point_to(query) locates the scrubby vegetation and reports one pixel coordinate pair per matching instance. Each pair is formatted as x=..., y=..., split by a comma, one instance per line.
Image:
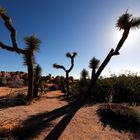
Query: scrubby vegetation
x=13, y=79
x=118, y=89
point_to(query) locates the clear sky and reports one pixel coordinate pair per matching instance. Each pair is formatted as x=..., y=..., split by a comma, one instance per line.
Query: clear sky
x=84, y=26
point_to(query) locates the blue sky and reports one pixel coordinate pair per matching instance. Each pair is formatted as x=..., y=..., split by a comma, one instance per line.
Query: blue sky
x=84, y=26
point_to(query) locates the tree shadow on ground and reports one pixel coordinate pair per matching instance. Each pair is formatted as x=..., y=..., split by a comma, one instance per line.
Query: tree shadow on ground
x=35, y=124
x=60, y=127
x=62, y=98
x=118, y=123
x=56, y=97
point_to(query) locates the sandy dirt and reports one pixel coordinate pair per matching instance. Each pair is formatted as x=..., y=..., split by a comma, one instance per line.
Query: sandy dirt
x=51, y=117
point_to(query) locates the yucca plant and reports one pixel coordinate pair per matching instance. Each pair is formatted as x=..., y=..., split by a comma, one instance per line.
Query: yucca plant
x=32, y=45
x=57, y=66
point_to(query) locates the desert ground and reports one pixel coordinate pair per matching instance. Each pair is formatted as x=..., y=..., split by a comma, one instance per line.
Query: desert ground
x=52, y=117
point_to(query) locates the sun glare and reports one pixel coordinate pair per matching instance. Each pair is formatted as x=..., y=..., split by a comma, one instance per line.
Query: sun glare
x=132, y=39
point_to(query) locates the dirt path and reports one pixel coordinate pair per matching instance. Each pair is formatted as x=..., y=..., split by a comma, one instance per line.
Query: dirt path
x=52, y=118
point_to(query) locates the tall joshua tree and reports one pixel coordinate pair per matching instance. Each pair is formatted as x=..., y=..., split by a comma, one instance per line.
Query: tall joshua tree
x=71, y=56
x=37, y=80
x=125, y=23
x=93, y=64
x=32, y=45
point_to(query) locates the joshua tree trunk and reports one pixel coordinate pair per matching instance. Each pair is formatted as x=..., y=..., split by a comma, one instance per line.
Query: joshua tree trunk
x=36, y=86
x=30, y=81
x=37, y=80
x=67, y=84
x=93, y=73
x=35, y=92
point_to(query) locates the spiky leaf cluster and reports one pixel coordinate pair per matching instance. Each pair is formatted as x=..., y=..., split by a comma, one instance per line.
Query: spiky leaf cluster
x=126, y=21
x=74, y=54
x=135, y=23
x=94, y=63
x=69, y=55
x=32, y=43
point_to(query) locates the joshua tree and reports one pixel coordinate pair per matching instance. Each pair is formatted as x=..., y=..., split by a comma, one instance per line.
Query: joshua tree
x=32, y=45
x=29, y=59
x=125, y=22
x=71, y=56
x=93, y=64
x=37, y=80
x=83, y=77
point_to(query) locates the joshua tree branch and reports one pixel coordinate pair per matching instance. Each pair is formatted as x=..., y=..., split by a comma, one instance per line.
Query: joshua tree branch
x=12, y=49
x=9, y=26
x=105, y=62
x=62, y=67
x=72, y=61
x=59, y=67
x=72, y=64
x=122, y=40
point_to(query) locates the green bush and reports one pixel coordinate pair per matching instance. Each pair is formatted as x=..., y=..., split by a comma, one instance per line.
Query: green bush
x=122, y=88
x=118, y=89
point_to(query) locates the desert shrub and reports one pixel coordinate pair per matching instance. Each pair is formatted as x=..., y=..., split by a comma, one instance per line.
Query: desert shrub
x=103, y=90
x=15, y=84
x=13, y=99
x=79, y=89
x=12, y=83
x=21, y=96
x=126, y=88
x=119, y=113
x=53, y=87
x=16, y=99
x=122, y=88
x=3, y=81
x=60, y=82
x=118, y=89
